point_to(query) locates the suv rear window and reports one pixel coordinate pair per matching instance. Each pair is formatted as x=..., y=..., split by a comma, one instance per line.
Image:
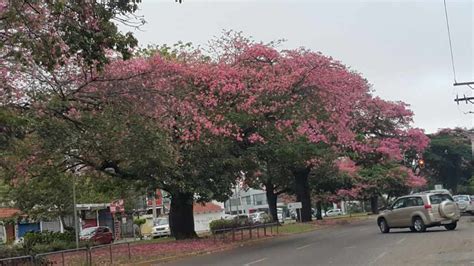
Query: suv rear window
x=438, y=198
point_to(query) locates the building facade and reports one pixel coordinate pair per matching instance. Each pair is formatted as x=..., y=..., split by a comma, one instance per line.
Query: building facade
x=248, y=201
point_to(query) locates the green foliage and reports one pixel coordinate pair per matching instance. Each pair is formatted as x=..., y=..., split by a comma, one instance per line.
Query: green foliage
x=267, y=218
x=12, y=126
x=449, y=160
x=60, y=30
x=222, y=224
x=168, y=52
x=56, y=245
x=11, y=251
x=468, y=188
x=46, y=237
x=139, y=222
x=384, y=179
x=38, y=242
x=325, y=177
x=4, y=193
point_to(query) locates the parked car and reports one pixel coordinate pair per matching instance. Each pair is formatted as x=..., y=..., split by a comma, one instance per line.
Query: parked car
x=314, y=213
x=99, y=235
x=260, y=217
x=161, y=227
x=465, y=203
x=333, y=212
x=420, y=211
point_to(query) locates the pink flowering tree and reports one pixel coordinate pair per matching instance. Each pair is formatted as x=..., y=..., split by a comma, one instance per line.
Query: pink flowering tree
x=287, y=107
x=48, y=50
x=298, y=100
x=385, y=142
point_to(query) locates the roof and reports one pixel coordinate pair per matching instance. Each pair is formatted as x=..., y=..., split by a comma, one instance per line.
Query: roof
x=440, y=191
x=208, y=207
x=8, y=212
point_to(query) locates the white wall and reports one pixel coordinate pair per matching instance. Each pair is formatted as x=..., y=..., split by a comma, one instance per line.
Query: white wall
x=3, y=234
x=52, y=226
x=201, y=221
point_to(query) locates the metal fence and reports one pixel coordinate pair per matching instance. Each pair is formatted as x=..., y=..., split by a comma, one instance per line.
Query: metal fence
x=95, y=255
x=124, y=252
x=18, y=261
x=246, y=232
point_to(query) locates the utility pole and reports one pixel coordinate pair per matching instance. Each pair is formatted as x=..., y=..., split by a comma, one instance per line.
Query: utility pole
x=238, y=197
x=465, y=99
x=76, y=227
x=153, y=204
x=463, y=83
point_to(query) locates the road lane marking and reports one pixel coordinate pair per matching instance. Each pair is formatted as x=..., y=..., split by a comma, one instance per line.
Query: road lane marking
x=363, y=229
x=255, y=261
x=351, y=247
x=378, y=257
x=400, y=241
x=305, y=246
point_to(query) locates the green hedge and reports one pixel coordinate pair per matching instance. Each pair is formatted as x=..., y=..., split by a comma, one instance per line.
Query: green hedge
x=222, y=224
x=11, y=251
x=40, y=242
x=47, y=237
x=53, y=246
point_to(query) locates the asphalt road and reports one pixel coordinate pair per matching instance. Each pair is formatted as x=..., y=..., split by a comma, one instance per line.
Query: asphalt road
x=355, y=244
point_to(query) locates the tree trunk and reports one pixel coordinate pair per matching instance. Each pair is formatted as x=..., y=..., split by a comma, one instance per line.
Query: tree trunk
x=319, y=207
x=181, y=216
x=63, y=223
x=302, y=193
x=374, y=204
x=272, y=201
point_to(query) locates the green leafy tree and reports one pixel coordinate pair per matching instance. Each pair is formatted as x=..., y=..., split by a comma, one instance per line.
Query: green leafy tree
x=325, y=181
x=449, y=159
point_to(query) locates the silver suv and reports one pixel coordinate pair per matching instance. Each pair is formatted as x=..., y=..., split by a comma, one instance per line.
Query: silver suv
x=465, y=203
x=420, y=211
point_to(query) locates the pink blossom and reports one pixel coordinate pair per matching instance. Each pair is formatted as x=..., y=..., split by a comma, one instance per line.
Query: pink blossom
x=255, y=138
x=347, y=165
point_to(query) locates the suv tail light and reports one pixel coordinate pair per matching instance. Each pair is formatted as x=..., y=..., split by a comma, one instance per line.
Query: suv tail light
x=427, y=206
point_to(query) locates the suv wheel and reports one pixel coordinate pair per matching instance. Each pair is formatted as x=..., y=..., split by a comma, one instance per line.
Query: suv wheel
x=412, y=229
x=419, y=225
x=383, y=226
x=451, y=226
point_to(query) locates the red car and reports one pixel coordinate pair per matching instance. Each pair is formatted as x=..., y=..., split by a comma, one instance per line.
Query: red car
x=99, y=235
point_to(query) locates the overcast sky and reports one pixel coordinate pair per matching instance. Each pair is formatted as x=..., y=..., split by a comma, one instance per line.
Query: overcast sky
x=401, y=47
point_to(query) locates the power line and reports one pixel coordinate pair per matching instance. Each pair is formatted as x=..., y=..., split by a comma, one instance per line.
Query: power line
x=450, y=42
x=466, y=99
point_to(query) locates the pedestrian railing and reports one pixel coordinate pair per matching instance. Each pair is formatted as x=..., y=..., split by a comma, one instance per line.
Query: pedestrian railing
x=245, y=232
x=95, y=255
x=18, y=261
x=78, y=256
